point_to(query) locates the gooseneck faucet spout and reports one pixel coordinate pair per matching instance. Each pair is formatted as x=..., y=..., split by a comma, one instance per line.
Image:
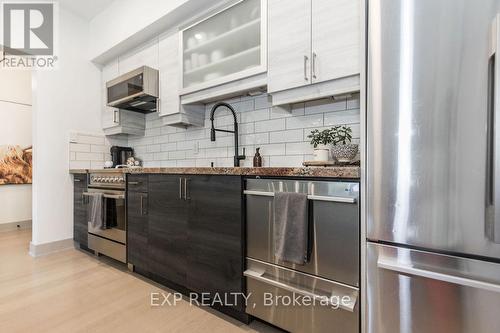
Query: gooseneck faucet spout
x=237, y=156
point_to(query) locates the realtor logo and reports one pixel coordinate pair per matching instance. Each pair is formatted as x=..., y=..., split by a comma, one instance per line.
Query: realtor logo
x=28, y=28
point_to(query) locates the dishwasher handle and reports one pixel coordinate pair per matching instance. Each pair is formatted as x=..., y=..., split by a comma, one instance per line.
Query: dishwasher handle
x=348, y=306
x=310, y=197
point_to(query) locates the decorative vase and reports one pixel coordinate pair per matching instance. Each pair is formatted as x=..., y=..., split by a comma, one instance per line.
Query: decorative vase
x=345, y=153
x=321, y=153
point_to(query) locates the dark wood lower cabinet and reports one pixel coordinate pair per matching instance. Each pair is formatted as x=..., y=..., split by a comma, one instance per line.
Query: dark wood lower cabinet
x=215, y=234
x=167, y=229
x=138, y=230
x=194, y=233
x=80, y=226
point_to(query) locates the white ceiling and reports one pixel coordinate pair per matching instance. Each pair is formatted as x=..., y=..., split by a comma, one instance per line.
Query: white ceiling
x=86, y=9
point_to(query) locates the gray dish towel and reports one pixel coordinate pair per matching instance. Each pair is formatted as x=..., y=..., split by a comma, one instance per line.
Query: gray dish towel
x=291, y=227
x=96, y=210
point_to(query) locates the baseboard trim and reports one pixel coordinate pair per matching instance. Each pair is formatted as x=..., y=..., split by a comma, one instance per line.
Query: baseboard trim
x=52, y=247
x=19, y=225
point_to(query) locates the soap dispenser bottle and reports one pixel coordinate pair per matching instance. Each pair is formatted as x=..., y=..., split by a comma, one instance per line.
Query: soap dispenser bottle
x=257, y=159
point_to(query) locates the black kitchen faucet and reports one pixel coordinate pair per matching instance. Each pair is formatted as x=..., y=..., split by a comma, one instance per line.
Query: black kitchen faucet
x=237, y=157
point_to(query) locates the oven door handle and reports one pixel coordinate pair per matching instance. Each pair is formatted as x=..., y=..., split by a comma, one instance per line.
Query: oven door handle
x=348, y=306
x=107, y=196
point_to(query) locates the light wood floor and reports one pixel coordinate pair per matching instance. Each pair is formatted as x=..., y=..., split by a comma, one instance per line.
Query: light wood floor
x=71, y=291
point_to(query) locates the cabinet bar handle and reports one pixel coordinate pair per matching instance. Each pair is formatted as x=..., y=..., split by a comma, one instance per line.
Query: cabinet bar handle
x=78, y=180
x=186, y=197
x=133, y=183
x=142, y=205
x=305, y=67
x=314, y=65
x=180, y=188
x=115, y=117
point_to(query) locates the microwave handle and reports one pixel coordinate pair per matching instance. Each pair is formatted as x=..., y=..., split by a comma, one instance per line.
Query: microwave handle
x=492, y=196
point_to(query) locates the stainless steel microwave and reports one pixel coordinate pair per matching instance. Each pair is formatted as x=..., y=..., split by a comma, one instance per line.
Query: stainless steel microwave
x=136, y=90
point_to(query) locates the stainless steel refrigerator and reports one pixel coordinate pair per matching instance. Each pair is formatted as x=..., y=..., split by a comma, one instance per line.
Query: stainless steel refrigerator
x=433, y=166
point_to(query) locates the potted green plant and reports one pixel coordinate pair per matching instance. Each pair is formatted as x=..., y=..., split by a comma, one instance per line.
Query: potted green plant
x=321, y=140
x=343, y=150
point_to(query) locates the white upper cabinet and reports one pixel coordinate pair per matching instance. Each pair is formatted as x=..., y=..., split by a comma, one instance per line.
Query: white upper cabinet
x=336, y=39
x=169, y=75
x=225, y=47
x=289, y=44
x=313, y=41
x=147, y=55
x=109, y=115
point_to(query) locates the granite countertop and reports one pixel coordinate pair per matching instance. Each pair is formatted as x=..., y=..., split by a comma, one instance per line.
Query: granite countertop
x=350, y=172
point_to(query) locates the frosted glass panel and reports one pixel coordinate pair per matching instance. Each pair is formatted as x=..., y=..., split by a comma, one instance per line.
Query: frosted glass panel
x=224, y=44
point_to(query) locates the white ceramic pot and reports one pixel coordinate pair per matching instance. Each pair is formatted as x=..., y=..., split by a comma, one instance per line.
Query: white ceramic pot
x=321, y=153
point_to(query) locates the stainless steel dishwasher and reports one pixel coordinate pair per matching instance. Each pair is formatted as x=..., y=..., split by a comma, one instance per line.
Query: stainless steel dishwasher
x=332, y=270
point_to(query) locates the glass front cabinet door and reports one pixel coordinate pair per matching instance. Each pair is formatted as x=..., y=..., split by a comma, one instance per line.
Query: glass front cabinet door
x=227, y=46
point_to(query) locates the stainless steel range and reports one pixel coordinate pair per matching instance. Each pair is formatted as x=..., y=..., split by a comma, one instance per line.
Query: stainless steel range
x=111, y=240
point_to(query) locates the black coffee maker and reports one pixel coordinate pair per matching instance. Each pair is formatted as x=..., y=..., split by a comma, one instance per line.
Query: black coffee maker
x=120, y=155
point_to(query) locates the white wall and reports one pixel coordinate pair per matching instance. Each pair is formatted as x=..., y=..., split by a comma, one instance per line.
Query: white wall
x=15, y=129
x=65, y=99
x=125, y=18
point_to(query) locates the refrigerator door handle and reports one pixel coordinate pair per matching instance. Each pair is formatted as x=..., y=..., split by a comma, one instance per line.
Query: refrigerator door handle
x=394, y=266
x=492, y=217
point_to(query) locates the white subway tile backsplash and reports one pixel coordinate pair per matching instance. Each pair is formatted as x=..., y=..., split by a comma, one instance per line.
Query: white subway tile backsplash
x=169, y=146
x=263, y=102
x=99, y=149
x=342, y=117
x=177, y=137
x=286, y=136
x=96, y=164
x=216, y=152
x=281, y=133
x=286, y=161
x=273, y=149
x=244, y=106
x=154, y=148
x=253, y=139
x=285, y=112
x=298, y=148
x=79, y=147
x=315, y=120
x=257, y=115
x=176, y=155
x=159, y=139
x=325, y=105
x=90, y=139
x=163, y=156
x=90, y=157
x=354, y=102
x=270, y=125
x=79, y=164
